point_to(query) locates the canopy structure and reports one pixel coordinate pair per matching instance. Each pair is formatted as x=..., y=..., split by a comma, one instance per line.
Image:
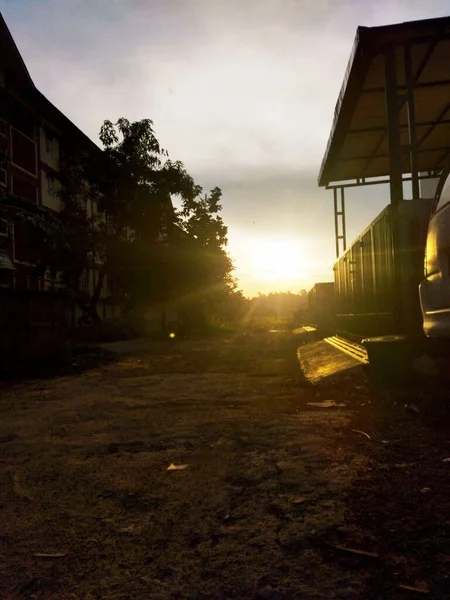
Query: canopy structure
x=392, y=117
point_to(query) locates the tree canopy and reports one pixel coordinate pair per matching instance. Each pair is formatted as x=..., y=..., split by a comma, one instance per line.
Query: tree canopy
x=118, y=218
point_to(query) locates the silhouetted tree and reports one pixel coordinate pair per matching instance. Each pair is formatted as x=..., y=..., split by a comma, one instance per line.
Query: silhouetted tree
x=135, y=238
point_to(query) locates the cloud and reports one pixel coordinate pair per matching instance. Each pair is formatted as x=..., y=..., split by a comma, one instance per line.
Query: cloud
x=243, y=92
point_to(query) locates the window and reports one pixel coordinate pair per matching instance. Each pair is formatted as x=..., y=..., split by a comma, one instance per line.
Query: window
x=4, y=228
x=2, y=127
x=84, y=281
x=50, y=185
x=48, y=143
x=21, y=118
x=3, y=176
x=23, y=152
x=24, y=188
x=445, y=195
x=25, y=249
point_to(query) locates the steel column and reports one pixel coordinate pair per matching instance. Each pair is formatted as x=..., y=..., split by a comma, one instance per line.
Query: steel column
x=393, y=129
x=340, y=231
x=411, y=124
x=395, y=178
x=343, y=224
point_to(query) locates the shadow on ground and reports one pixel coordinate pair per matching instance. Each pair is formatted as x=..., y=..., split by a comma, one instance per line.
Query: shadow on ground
x=271, y=480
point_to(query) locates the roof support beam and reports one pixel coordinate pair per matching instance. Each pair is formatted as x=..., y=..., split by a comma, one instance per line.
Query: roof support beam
x=393, y=129
x=439, y=121
x=371, y=157
x=417, y=76
x=395, y=167
x=360, y=183
x=382, y=128
x=411, y=124
x=402, y=88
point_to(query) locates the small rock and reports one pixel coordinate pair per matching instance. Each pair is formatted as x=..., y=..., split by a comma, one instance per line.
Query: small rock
x=7, y=437
x=270, y=595
x=298, y=500
x=424, y=364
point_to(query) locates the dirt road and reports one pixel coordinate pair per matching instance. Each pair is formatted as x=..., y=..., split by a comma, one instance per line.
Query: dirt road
x=89, y=509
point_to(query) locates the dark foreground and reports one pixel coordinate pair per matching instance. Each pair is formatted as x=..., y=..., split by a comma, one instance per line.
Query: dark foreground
x=276, y=498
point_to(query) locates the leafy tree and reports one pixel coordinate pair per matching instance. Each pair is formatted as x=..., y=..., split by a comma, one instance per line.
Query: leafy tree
x=214, y=289
x=130, y=182
x=151, y=253
x=278, y=304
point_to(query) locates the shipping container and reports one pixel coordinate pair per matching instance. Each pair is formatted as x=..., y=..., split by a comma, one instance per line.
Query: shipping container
x=366, y=296
x=321, y=306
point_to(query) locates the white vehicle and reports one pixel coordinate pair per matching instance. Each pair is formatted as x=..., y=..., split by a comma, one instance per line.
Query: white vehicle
x=435, y=288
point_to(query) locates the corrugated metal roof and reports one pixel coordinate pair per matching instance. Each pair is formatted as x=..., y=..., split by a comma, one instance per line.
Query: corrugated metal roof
x=358, y=143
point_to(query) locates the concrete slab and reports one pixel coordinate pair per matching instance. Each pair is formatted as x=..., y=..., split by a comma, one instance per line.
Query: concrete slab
x=320, y=360
x=305, y=334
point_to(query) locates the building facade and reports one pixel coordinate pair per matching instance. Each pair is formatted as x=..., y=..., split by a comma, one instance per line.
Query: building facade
x=35, y=140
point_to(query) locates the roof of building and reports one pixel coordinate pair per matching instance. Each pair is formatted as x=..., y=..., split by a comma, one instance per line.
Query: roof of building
x=19, y=72
x=358, y=143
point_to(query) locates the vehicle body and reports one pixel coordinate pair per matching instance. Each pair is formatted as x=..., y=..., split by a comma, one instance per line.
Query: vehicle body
x=434, y=290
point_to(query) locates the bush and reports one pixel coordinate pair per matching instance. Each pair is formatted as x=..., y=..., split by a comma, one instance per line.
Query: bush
x=109, y=330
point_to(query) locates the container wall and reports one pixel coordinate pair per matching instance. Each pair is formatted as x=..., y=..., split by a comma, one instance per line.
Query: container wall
x=367, y=301
x=321, y=306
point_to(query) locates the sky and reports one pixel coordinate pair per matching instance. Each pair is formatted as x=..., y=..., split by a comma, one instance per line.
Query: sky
x=241, y=91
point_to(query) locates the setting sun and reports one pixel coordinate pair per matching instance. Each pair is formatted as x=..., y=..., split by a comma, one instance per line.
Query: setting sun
x=278, y=260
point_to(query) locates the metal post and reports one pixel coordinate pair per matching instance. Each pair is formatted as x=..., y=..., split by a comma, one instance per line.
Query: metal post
x=374, y=266
x=396, y=186
x=411, y=124
x=344, y=228
x=339, y=211
x=393, y=129
x=336, y=227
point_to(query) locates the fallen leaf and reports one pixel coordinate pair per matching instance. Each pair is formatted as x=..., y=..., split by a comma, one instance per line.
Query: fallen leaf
x=129, y=529
x=298, y=500
x=362, y=432
x=173, y=467
x=412, y=588
x=325, y=404
x=355, y=551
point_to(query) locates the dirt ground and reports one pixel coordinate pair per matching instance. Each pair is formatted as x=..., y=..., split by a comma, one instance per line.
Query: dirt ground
x=274, y=493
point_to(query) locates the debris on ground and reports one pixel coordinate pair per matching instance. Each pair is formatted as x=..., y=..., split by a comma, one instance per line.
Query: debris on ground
x=362, y=433
x=426, y=365
x=325, y=404
x=412, y=408
x=355, y=551
x=173, y=467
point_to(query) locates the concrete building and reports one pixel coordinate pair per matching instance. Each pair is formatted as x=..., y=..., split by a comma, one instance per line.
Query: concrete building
x=35, y=140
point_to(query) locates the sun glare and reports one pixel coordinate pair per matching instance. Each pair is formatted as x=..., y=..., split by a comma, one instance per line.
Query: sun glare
x=281, y=261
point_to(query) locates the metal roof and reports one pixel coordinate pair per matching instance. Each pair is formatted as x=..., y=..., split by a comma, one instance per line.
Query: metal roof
x=358, y=143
